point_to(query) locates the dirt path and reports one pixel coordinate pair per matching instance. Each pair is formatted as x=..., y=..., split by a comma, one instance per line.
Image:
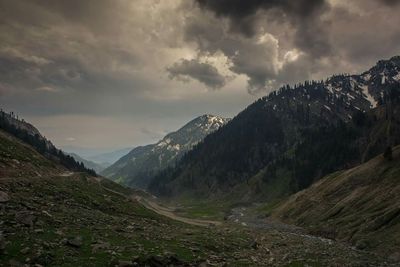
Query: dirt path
x=66, y=174
x=168, y=212
x=162, y=210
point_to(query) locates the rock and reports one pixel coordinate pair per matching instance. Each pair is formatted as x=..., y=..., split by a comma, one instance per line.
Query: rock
x=14, y=263
x=4, y=197
x=254, y=245
x=25, y=218
x=395, y=257
x=47, y=213
x=188, y=232
x=25, y=250
x=75, y=242
x=254, y=259
x=2, y=243
x=125, y=264
x=361, y=244
x=159, y=261
x=156, y=261
x=59, y=232
x=100, y=246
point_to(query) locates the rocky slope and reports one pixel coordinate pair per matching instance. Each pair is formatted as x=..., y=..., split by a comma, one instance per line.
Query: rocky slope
x=137, y=168
x=285, y=141
x=360, y=205
x=52, y=217
x=19, y=159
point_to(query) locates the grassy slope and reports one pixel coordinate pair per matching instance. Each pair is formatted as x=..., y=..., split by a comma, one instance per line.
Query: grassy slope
x=47, y=210
x=19, y=159
x=360, y=205
x=112, y=226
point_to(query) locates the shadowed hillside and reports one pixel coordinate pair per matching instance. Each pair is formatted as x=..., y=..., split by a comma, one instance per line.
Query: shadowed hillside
x=50, y=216
x=360, y=205
x=289, y=139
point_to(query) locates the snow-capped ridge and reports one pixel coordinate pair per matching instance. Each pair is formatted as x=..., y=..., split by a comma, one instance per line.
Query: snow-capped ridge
x=341, y=94
x=141, y=163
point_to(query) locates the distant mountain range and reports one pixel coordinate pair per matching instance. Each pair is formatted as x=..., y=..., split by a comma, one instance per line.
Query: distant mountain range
x=109, y=158
x=323, y=155
x=138, y=167
x=100, y=156
x=89, y=164
x=289, y=139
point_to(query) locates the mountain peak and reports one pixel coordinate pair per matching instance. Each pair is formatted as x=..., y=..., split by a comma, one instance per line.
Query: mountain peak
x=211, y=118
x=142, y=163
x=340, y=96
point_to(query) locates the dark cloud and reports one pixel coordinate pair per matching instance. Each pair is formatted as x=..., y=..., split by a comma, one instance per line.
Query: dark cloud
x=238, y=10
x=391, y=2
x=304, y=16
x=202, y=72
x=106, y=58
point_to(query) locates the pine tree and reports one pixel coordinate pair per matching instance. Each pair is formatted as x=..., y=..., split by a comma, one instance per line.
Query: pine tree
x=388, y=154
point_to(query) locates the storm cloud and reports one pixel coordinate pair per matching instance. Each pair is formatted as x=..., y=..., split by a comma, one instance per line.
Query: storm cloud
x=154, y=64
x=202, y=72
x=304, y=16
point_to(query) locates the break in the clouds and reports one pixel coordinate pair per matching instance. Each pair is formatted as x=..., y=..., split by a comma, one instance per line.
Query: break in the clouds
x=152, y=62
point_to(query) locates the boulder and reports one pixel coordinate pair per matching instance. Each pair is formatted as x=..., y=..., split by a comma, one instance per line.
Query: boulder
x=2, y=243
x=4, y=197
x=125, y=264
x=75, y=242
x=25, y=218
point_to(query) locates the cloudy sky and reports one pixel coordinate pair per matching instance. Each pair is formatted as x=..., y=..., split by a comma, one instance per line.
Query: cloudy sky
x=114, y=73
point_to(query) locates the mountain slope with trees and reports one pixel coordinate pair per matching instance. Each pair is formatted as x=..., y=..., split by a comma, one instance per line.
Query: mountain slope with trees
x=52, y=219
x=88, y=164
x=27, y=133
x=285, y=141
x=139, y=166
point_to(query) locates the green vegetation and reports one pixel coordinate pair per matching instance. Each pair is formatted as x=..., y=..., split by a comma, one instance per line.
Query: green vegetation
x=68, y=207
x=79, y=220
x=359, y=206
x=285, y=142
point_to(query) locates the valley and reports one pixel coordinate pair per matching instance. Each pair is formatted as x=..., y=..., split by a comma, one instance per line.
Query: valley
x=287, y=182
x=51, y=224
x=64, y=218
x=199, y=133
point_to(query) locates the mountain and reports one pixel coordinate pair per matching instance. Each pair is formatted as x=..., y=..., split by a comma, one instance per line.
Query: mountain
x=289, y=139
x=109, y=158
x=53, y=217
x=359, y=205
x=27, y=133
x=137, y=168
x=89, y=164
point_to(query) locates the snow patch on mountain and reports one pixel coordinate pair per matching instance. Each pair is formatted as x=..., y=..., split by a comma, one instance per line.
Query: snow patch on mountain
x=148, y=160
x=369, y=97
